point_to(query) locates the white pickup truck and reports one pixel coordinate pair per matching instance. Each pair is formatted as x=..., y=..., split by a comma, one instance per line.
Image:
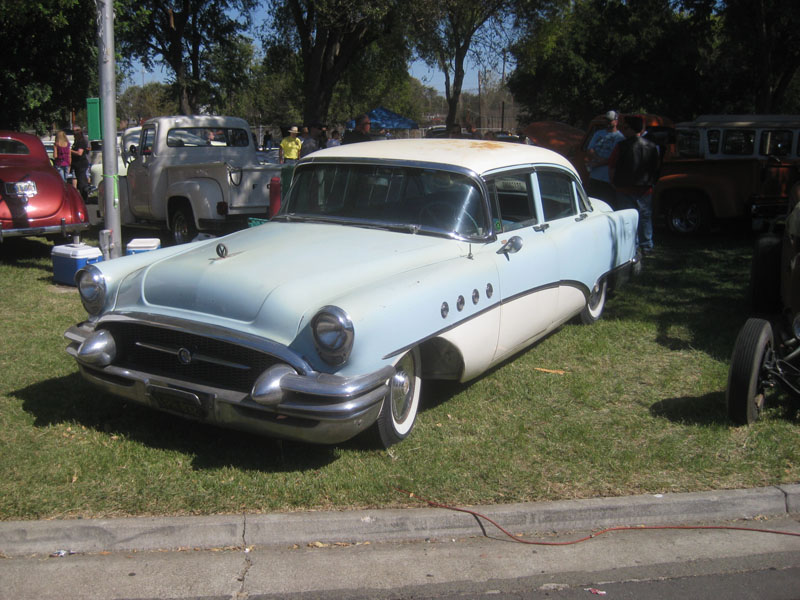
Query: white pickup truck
x=195, y=174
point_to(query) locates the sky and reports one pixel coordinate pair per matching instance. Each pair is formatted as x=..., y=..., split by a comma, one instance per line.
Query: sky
x=418, y=69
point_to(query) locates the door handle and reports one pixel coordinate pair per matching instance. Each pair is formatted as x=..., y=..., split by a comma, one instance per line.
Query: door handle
x=541, y=227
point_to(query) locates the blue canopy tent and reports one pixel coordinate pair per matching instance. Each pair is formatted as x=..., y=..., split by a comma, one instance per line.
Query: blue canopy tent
x=383, y=118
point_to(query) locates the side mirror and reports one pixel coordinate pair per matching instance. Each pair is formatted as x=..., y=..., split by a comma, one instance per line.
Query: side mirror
x=512, y=246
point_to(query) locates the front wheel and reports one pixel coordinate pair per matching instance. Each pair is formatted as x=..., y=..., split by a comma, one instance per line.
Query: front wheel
x=399, y=411
x=747, y=378
x=688, y=215
x=595, y=303
x=183, y=227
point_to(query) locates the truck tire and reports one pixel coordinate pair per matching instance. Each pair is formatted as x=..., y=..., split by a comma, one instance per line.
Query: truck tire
x=182, y=224
x=688, y=214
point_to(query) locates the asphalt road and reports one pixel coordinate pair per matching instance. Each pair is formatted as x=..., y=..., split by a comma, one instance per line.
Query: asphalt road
x=423, y=553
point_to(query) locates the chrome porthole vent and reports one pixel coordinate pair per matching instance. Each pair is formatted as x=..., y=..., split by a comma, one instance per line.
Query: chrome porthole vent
x=476, y=296
x=460, y=303
x=445, y=310
x=489, y=290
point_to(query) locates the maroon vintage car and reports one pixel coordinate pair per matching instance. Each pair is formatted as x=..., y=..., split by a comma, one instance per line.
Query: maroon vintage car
x=34, y=200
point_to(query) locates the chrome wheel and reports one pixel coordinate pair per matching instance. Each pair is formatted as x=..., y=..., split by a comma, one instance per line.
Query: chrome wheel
x=399, y=411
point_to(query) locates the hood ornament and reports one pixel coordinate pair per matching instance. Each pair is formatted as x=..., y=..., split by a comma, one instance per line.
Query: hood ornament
x=222, y=250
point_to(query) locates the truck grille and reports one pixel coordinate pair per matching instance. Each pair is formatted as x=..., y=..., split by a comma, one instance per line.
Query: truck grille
x=187, y=357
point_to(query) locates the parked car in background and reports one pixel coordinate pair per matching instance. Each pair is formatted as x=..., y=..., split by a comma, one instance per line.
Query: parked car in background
x=729, y=167
x=35, y=200
x=389, y=263
x=767, y=350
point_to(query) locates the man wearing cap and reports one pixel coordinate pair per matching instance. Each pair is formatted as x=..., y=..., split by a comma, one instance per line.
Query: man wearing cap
x=599, y=149
x=314, y=140
x=289, y=150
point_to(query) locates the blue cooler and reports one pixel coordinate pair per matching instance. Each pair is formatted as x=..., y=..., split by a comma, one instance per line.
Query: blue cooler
x=67, y=259
x=142, y=245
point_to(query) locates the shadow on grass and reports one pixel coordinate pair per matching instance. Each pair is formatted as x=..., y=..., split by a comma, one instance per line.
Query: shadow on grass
x=26, y=253
x=705, y=410
x=712, y=409
x=71, y=399
x=698, y=284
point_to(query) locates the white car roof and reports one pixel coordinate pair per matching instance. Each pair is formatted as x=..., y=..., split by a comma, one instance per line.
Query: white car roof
x=479, y=156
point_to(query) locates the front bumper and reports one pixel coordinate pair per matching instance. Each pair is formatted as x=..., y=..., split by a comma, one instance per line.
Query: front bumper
x=64, y=229
x=295, y=402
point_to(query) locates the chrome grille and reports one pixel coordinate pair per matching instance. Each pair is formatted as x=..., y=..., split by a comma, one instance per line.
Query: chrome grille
x=188, y=357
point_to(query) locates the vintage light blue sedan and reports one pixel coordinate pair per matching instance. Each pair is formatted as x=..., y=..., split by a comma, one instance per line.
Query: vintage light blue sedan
x=390, y=262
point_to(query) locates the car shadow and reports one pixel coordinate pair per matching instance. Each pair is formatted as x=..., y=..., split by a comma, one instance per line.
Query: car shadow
x=71, y=399
x=26, y=253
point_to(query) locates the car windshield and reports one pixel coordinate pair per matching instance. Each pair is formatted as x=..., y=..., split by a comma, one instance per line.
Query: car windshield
x=390, y=196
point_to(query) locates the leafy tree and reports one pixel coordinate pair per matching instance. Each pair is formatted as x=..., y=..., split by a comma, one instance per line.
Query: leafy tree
x=448, y=30
x=328, y=37
x=138, y=103
x=181, y=35
x=592, y=55
x=761, y=53
x=49, y=63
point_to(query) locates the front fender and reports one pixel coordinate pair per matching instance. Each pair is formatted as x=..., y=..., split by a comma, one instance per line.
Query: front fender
x=406, y=310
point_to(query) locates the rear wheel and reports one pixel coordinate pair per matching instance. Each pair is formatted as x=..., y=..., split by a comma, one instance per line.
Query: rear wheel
x=747, y=378
x=183, y=227
x=595, y=303
x=399, y=411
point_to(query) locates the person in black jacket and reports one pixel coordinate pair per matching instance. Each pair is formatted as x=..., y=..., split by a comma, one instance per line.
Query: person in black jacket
x=633, y=168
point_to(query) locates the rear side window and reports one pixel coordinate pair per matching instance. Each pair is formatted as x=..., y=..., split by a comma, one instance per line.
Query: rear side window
x=13, y=147
x=739, y=142
x=776, y=142
x=556, y=190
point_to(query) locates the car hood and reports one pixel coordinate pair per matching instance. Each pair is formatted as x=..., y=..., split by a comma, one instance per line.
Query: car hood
x=283, y=270
x=49, y=190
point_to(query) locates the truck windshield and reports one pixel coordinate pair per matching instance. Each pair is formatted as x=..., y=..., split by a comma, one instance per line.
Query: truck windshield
x=426, y=199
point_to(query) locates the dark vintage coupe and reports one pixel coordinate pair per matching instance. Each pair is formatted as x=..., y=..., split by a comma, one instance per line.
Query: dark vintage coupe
x=34, y=199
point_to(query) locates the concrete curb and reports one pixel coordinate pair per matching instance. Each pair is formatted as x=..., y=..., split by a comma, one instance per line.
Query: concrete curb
x=19, y=538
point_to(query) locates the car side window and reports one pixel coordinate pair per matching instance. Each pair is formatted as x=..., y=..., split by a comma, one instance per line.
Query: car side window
x=739, y=142
x=512, y=201
x=557, y=195
x=776, y=142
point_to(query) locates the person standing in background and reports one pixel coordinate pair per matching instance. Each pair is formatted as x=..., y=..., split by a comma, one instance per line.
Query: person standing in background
x=289, y=149
x=599, y=149
x=80, y=162
x=62, y=157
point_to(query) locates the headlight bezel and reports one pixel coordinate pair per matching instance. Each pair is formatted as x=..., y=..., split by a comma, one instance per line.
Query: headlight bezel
x=92, y=289
x=334, y=334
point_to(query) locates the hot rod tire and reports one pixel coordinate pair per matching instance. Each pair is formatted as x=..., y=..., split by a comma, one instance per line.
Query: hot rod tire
x=399, y=411
x=183, y=227
x=595, y=303
x=746, y=378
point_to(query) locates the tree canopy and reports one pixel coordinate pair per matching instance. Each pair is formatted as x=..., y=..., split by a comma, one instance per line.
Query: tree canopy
x=49, y=61
x=180, y=34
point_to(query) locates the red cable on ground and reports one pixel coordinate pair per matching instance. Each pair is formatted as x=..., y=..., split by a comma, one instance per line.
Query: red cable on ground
x=593, y=535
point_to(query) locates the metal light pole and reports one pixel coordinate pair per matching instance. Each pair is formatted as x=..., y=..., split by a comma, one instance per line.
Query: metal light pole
x=111, y=237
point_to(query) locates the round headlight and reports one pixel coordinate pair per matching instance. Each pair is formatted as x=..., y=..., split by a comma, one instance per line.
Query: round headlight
x=92, y=289
x=333, y=334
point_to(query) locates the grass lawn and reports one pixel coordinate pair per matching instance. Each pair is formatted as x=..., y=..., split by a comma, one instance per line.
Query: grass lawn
x=633, y=404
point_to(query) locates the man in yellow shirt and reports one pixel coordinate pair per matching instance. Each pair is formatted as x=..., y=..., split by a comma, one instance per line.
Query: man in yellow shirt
x=290, y=146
